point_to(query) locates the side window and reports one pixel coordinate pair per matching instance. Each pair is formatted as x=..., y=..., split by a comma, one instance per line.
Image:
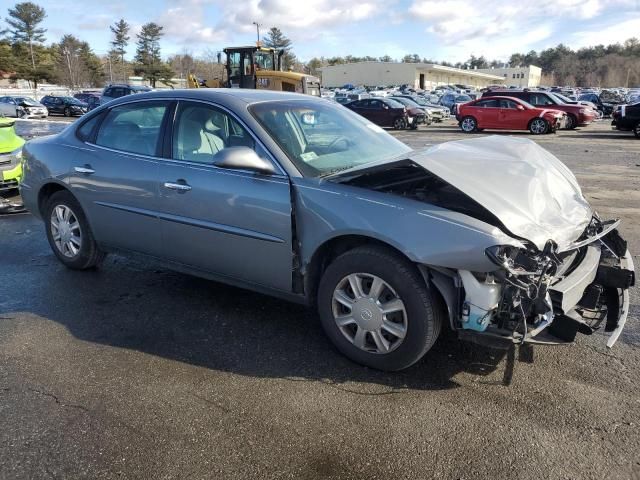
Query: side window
x=540, y=99
x=507, y=104
x=487, y=104
x=134, y=127
x=375, y=104
x=86, y=129
x=201, y=131
x=108, y=92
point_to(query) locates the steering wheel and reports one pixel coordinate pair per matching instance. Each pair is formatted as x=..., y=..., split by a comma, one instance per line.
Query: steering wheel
x=339, y=139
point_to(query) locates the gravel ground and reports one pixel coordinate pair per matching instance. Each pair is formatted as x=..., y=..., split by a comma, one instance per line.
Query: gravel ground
x=134, y=371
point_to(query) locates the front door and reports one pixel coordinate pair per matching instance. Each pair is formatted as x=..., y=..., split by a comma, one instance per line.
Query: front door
x=115, y=176
x=229, y=222
x=511, y=117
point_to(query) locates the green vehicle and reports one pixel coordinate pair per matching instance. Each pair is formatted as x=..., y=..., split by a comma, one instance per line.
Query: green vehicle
x=10, y=163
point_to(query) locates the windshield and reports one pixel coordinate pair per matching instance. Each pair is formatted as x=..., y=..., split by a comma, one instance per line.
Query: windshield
x=563, y=98
x=27, y=101
x=463, y=98
x=393, y=103
x=404, y=101
x=556, y=97
x=321, y=138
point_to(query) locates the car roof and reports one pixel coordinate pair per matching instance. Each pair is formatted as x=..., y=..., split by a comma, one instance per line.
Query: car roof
x=500, y=97
x=221, y=95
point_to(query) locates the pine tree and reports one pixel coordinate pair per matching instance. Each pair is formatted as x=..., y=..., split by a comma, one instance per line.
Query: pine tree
x=148, y=60
x=24, y=20
x=276, y=39
x=120, y=41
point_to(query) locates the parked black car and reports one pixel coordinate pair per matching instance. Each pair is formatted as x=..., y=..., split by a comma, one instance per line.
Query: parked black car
x=627, y=118
x=384, y=112
x=67, y=106
x=604, y=107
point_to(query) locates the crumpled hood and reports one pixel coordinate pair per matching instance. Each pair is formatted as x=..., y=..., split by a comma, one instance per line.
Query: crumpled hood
x=527, y=188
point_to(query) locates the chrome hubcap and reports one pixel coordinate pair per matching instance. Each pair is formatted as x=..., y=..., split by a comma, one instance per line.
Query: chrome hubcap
x=65, y=230
x=538, y=126
x=468, y=125
x=369, y=313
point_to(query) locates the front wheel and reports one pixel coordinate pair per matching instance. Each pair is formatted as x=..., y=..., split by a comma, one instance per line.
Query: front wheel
x=539, y=126
x=468, y=124
x=67, y=112
x=636, y=130
x=399, y=124
x=69, y=234
x=375, y=308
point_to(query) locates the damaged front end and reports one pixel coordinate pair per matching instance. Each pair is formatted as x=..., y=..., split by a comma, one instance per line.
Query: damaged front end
x=549, y=296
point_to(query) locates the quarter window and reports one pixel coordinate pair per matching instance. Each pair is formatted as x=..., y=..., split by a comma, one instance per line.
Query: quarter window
x=201, y=131
x=134, y=127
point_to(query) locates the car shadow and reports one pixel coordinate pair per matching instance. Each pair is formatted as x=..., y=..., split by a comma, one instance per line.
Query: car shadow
x=136, y=305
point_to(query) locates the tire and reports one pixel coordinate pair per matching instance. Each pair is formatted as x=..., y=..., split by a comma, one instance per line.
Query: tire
x=468, y=124
x=413, y=126
x=67, y=112
x=399, y=124
x=636, y=130
x=572, y=122
x=539, y=126
x=88, y=255
x=415, y=324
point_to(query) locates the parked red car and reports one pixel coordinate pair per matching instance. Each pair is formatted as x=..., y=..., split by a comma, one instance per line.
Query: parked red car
x=508, y=113
x=577, y=115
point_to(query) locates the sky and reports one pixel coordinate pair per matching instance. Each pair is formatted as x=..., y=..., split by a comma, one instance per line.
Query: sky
x=450, y=30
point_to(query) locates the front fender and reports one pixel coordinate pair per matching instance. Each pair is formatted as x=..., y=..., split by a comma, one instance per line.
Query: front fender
x=426, y=234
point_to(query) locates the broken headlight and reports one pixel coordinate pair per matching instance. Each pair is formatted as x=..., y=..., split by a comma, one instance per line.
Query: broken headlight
x=516, y=261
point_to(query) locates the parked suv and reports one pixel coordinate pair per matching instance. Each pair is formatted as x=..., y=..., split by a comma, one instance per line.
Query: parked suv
x=112, y=92
x=577, y=115
x=67, y=106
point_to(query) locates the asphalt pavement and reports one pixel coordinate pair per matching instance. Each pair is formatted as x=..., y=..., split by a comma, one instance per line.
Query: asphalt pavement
x=134, y=371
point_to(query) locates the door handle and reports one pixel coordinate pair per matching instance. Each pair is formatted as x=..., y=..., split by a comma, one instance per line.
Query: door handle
x=180, y=187
x=86, y=169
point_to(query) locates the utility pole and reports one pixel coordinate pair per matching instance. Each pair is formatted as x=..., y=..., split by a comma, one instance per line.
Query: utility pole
x=66, y=53
x=110, y=70
x=257, y=32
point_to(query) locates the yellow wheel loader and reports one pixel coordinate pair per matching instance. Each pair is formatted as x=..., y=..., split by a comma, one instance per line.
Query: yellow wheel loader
x=259, y=67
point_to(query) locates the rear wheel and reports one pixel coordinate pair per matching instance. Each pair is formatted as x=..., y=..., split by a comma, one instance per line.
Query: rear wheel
x=636, y=130
x=67, y=112
x=69, y=234
x=375, y=308
x=572, y=122
x=468, y=124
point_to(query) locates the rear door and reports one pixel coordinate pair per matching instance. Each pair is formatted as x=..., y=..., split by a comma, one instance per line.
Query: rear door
x=232, y=223
x=115, y=175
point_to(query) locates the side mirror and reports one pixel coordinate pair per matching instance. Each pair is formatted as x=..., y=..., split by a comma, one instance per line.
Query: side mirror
x=242, y=158
x=520, y=107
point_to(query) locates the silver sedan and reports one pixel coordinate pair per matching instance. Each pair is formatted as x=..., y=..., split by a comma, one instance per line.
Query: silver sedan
x=297, y=197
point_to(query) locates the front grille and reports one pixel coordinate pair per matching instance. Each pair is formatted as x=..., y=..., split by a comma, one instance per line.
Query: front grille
x=8, y=185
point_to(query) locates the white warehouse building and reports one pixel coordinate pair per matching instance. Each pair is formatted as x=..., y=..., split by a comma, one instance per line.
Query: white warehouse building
x=426, y=76
x=520, y=76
